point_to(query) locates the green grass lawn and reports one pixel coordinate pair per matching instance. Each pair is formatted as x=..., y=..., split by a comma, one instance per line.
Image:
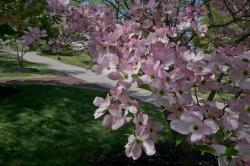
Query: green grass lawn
x=9, y=68
x=54, y=125
x=77, y=59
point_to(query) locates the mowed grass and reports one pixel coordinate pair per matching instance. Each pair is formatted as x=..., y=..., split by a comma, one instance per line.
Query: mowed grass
x=54, y=125
x=77, y=59
x=9, y=68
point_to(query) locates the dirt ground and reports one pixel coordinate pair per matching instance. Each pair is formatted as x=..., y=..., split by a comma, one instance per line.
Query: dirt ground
x=55, y=80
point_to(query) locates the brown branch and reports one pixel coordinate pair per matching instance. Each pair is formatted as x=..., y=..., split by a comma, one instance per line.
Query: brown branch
x=228, y=23
x=126, y=4
x=242, y=38
x=117, y=9
x=242, y=7
x=213, y=93
x=229, y=9
x=209, y=13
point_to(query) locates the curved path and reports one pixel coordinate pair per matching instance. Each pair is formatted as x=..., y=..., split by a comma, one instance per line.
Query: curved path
x=85, y=74
x=89, y=76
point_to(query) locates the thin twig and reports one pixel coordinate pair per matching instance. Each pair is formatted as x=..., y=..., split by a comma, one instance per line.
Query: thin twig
x=196, y=94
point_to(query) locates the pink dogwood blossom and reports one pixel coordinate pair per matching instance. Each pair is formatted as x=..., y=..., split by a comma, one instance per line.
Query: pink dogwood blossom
x=137, y=142
x=153, y=48
x=192, y=123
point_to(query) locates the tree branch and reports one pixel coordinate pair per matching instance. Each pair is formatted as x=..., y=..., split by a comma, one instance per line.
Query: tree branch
x=242, y=38
x=212, y=94
x=209, y=13
x=117, y=9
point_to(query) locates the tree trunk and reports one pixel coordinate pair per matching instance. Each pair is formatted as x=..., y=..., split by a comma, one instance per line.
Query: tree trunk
x=18, y=57
x=57, y=54
x=20, y=64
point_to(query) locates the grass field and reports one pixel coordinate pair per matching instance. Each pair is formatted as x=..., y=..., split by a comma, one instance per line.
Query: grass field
x=54, y=125
x=9, y=68
x=77, y=59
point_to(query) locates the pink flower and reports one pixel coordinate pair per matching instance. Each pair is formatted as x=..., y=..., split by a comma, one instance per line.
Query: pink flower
x=202, y=30
x=141, y=119
x=154, y=130
x=116, y=118
x=183, y=24
x=137, y=142
x=190, y=56
x=192, y=123
x=219, y=149
x=230, y=119
x=244, y=150
x=175, y=111
x=240, y=73
x=32, y=36
x=207, y=84
x=158, y=36
x=211, y=109
x=107, y=63
x=202, y=68
x=103, y=105
x=151, y=71
x=166, y=55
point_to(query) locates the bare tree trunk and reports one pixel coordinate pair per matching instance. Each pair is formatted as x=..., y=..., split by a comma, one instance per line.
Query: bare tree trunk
x=18, y=58
x=20, y=54
x=20, y=64
x=57, y=55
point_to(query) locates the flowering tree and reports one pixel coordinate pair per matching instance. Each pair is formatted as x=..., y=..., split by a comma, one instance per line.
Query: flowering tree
x=30, y=39
x=18, y=25
x=153, y=49
x=69, y=24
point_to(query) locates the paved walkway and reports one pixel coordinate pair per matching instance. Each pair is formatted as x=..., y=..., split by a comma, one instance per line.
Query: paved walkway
x=89, y=76
x=84, y=74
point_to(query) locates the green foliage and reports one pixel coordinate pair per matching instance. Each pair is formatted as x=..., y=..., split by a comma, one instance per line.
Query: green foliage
x=72, y=58
x=204, y=44
x=204, y=148
x=219, y=35
x=54, y=125
x=231, y=151
x=17, y=15
x=9, y=68
x=145, y=86
x=178, y=138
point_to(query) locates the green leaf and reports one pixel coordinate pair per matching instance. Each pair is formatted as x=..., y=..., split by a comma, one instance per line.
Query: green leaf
x=231, y=151
x=178, y=139
x=145, y=86
x=204, y=148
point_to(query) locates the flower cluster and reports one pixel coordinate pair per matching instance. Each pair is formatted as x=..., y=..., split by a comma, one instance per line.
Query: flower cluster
x=57, y=7
x=145, y=51
x=32, y=36
x=148, y=51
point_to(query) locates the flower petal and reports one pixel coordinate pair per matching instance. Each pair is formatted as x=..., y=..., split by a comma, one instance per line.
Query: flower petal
x=98, y=101
x=118, y=123
x=196, y=137
x=149, y=147
x=99, y=112
x=181, y=127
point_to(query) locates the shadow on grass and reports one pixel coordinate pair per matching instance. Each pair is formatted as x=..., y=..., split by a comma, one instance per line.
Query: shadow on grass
x=70, y=57
x=9, y=67
x=54, y=125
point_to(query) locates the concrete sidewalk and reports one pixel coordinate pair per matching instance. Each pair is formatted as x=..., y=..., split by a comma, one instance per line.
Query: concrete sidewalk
x=89, y=76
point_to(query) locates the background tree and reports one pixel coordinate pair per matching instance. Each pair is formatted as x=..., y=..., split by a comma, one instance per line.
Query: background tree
x=15, y=19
